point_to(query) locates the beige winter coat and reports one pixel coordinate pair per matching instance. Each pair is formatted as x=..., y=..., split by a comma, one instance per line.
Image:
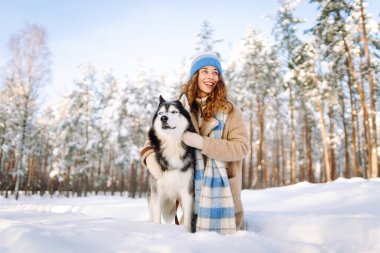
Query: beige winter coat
x=232, y=149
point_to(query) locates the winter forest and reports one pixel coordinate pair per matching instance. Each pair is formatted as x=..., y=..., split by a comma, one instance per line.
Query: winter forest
x=309, y=100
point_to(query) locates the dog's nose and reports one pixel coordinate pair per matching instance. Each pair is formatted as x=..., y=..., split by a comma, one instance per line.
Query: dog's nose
x=164, y=119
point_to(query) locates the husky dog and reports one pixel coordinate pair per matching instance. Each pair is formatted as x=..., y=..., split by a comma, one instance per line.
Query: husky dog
x=177, y=160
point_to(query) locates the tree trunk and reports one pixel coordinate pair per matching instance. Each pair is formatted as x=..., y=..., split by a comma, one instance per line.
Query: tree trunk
x=31, y=175
x=279, y=158
x=283, y=156
x=122, y=185
x=362, y=100
x=45, y=166
x=360, y=167
x=276, y=158
x=310, y=172
x=2, y=140
x=353, y=124
x=346, y=153
x=133, y=181
x=301, y=147
x=332, y=144
x=261, y=152
x=324, y=141
x=11, y=165
x=67, y=182
x=251, y=147
x=301, y=157
x=292, y=139
x=374, y=159
x=367, y=166
x=22, y=144
x=323, y=133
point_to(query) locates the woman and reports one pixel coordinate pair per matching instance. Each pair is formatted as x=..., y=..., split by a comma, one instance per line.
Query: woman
x=221, y=144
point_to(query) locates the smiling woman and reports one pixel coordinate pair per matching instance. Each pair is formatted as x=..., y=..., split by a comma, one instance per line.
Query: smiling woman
x=208, y=68
x=207, y=79
x=220, y=144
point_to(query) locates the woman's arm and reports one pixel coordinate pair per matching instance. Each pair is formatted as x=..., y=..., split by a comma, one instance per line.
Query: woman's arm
x=148, y=159
x=145, y=151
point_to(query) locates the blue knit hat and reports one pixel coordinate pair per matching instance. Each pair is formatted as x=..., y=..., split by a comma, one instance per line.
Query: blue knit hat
x=203, y=59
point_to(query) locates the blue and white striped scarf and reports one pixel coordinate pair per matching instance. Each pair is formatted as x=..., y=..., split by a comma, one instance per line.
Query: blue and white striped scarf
x=213, y=198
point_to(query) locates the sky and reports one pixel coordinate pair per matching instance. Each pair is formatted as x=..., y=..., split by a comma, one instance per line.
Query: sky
x=122, y=35
x=337, y=217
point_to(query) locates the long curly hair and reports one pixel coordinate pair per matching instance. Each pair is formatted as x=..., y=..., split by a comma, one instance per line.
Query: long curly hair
x=216, y=101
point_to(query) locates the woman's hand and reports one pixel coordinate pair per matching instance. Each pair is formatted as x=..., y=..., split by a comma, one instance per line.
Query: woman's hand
x=193, y=140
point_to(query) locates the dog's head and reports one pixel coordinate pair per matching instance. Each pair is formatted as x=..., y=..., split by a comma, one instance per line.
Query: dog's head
x=172, y=117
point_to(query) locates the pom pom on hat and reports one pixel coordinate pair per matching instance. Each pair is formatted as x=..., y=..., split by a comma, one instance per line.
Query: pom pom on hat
x=203, y=59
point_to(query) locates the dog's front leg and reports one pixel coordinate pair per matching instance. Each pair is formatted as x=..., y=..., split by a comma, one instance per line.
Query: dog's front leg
x=156, y=208
x=187, y=207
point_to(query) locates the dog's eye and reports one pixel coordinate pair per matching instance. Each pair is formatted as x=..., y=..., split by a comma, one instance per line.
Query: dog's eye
x=160, y=113
x=174, y=111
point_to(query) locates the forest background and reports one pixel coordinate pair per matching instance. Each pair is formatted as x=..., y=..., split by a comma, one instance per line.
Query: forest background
x=309, y=99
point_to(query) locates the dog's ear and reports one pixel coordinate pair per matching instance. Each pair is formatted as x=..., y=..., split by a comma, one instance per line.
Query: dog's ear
x=162, y=100
x=183, y=100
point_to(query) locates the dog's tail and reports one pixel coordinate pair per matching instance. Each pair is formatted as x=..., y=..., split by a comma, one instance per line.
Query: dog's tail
x=168, y=211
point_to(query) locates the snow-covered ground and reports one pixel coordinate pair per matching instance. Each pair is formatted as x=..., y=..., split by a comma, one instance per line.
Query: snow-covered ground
x=342, y=216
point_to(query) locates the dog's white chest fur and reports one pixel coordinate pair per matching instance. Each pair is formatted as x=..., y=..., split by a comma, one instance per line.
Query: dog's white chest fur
x=172, y=148
x=173, y=182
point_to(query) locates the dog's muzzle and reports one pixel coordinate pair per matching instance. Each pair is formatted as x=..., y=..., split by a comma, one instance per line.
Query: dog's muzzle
x=164, y=120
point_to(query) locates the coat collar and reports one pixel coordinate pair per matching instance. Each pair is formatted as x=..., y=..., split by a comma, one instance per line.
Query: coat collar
x=195, y=122
x=208, y=126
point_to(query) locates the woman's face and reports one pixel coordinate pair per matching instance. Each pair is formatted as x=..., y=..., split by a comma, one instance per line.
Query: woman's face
x=207, y=79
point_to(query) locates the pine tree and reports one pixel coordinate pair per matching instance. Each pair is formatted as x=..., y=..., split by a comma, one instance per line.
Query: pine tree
x=365, y=18
x=312, y=89
x=255, y=77
x=76, y=146
x=285, y=32
x=104, y=118
x=142, y=104
x=127, y=150
x=340, y=27
x=205, y=39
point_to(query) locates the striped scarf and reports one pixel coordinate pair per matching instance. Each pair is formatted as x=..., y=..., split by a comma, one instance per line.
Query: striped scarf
x=213, y=198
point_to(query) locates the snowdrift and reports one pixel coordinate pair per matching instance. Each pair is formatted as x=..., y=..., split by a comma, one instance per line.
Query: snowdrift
x=342, y=216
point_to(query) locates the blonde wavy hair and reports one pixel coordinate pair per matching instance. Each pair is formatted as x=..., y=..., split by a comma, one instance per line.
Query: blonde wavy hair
x=216, y=101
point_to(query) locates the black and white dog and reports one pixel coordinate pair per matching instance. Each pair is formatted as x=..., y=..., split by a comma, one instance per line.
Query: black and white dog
x=177, y=160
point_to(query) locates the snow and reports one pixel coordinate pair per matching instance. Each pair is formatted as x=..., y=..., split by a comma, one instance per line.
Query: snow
x=341, y=216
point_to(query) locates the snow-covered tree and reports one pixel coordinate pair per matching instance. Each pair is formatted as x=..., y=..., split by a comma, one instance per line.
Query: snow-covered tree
x=285, y=32
x=254, y=75
x=76, y=147
x=340, y=29
x=205, y=39
x=26, y=72
x=104, y=133
x=141, y=99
